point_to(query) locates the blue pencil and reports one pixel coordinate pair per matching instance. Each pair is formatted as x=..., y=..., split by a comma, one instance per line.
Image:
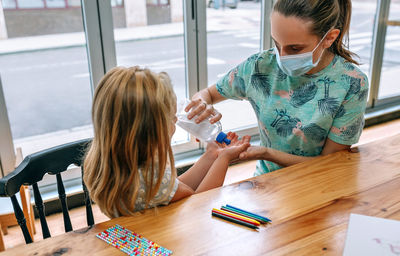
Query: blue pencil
x=245, y=213
x=261, y=220
x=250, y=213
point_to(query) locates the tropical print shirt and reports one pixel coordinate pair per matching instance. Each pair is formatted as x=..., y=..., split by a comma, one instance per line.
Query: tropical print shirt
x=297, y=114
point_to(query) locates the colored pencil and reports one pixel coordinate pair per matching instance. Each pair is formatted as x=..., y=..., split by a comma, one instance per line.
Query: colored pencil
x=238, y=216
x=263, y=221
x=215, y=214
x=255, y=215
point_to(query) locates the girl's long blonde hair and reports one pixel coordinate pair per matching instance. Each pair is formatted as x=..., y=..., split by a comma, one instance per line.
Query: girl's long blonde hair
x=132, y=111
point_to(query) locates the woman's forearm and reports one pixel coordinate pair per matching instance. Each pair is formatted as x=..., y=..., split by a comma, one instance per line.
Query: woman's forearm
x=204, y=95
x=209, y=95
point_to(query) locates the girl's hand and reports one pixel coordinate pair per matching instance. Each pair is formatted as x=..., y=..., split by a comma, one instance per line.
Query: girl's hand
x=233, y=150
x=254, y=153
x=201, y=110
x=216, y=148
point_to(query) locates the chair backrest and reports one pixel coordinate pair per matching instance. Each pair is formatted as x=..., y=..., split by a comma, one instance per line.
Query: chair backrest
x=32, y=169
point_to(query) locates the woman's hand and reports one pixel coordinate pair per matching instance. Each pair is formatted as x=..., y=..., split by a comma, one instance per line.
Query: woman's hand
x=201, y=110
x=254, y=153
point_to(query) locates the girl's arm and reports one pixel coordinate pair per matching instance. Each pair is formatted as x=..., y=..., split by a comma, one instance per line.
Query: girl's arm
x=195, y=174
x=198, y=171
x=216, y=175
x=285, y=159
x=214, y=161
x=182, y=192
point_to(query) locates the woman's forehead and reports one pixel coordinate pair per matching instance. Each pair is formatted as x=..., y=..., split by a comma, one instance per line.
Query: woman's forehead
x=290, y=30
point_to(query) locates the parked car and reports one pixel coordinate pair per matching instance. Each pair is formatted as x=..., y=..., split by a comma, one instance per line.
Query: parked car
x=224, y=3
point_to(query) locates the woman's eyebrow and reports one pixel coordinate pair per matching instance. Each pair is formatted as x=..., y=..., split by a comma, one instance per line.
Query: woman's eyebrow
x=290, y=45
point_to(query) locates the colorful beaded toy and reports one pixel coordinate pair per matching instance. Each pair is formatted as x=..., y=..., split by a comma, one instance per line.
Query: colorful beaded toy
x=130, y=242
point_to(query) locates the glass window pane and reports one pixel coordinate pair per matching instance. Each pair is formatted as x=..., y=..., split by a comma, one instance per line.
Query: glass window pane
x=116, y=3
x=55, y=3
x=9, y=4
x=30, y=3
x=45, y=78
x=389, y=85
x=361, y=30
x=233, y=34
x=153, y=38
x=74, y=3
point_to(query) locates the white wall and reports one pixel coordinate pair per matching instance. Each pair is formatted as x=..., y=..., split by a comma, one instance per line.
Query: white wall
x=7, y=154
x=3, y=28
x=176, y=10
x=135, y=12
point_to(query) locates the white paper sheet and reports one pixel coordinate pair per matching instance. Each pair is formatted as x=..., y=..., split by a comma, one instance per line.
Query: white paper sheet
x=372, y=236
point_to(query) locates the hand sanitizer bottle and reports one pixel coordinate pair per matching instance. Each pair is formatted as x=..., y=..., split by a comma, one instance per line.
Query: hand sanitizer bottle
x=204, y=131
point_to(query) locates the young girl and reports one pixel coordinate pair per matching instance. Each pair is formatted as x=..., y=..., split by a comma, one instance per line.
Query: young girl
x=130, y=166
x=308, y=93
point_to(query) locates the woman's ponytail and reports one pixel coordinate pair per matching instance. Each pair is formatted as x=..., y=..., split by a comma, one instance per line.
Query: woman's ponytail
x=324, y=15
x=340, y=46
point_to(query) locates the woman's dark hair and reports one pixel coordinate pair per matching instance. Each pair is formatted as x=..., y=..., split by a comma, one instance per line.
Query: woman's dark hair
x=324, y=14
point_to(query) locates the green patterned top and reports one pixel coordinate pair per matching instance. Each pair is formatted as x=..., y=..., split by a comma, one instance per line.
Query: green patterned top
x=296, y=114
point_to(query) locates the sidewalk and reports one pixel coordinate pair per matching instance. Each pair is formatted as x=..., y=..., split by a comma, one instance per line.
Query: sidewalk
x=241, y=19
x=245, y=17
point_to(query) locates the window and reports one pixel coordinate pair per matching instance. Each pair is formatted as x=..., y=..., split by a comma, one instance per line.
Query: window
x=30, y=3
x=56, y=3
x=154, y=38
x=158, y=2
x=45, y=78
x=233, y=34
x=9, y=4
x=74, y=3
x=391, y=64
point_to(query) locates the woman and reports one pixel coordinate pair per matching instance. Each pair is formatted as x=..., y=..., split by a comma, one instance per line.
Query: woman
x=307, y=92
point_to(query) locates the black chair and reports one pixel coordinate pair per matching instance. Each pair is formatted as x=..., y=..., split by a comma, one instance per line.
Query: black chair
x=32, y=169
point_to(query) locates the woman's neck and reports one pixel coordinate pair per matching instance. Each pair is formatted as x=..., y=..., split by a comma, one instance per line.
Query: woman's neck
x=326, y=59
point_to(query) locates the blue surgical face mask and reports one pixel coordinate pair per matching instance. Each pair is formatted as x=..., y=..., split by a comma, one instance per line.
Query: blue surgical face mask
x=297, y=64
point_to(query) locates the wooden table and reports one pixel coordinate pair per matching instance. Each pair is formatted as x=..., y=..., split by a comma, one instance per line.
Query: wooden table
x=309, y=205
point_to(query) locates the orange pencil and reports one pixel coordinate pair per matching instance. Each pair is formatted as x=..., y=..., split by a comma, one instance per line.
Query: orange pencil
x=248, y=220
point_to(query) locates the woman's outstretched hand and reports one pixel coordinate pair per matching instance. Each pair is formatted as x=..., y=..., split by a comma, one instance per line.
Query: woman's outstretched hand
x=254, y=153
x=201, y=110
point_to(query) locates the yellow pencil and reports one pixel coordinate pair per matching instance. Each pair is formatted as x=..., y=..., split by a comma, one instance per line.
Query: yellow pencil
x=237, y=216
